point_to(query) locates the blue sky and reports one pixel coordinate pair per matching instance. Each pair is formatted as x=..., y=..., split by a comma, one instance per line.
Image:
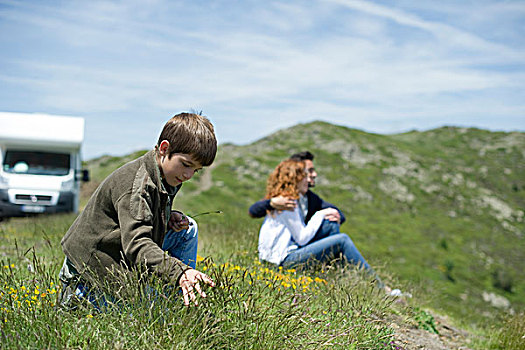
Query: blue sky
x=254, y=67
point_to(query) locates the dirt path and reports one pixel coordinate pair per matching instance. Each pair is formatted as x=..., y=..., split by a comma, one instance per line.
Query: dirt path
x=410, y=338
x=205, y=181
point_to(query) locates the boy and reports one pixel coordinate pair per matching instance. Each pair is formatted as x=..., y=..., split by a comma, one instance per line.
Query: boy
x=124, y=225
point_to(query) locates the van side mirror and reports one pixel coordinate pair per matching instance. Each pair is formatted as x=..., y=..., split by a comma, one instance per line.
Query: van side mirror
x=82, y=175
x=85, y=175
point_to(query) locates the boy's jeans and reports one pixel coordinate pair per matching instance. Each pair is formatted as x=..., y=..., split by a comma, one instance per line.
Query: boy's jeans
x=183, y=244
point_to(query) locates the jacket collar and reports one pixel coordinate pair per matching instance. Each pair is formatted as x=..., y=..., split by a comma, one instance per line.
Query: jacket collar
x=150, y=161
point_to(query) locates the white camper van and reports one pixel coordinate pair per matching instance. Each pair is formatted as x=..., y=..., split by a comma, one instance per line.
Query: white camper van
x=40, y=163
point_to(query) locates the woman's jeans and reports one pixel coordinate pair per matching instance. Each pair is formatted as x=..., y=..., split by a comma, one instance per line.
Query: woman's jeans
x=328, y=243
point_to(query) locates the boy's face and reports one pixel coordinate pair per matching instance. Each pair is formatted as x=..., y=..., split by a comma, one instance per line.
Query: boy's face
x=178, y=168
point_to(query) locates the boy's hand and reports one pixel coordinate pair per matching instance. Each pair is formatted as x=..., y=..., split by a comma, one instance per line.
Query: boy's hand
x=178, y=221
x=189, y=281
x=282, y=203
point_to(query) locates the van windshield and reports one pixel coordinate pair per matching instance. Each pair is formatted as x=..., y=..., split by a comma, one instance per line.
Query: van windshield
x=36, y=163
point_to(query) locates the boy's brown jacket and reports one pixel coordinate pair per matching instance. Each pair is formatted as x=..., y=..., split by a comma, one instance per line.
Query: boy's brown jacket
x=124, y=224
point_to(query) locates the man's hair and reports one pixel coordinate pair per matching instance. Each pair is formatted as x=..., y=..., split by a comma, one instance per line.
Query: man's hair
x=191, y=134
x=298, y=157
x=284, y=179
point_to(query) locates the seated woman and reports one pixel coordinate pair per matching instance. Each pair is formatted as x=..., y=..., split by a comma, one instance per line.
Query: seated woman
x=285, y=240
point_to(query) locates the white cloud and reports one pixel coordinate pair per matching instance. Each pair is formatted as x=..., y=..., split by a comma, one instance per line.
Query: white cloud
x=372, y=65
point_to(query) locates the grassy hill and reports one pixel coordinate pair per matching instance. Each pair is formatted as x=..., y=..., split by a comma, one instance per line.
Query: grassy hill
x=436, y=213
x=440, y=209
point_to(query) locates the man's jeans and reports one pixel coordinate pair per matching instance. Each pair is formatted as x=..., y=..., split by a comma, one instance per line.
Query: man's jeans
x=183, y=244
x=326, y=229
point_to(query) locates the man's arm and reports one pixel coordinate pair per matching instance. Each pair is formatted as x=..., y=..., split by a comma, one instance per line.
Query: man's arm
x=258, y=209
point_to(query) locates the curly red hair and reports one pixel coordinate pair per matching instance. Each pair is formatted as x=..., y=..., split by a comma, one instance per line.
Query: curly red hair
x=284, y=179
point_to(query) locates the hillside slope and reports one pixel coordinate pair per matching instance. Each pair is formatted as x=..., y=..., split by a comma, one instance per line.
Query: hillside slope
x=441, y=210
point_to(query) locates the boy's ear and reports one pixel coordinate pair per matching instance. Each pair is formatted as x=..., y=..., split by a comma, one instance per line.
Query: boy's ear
x=164, y=148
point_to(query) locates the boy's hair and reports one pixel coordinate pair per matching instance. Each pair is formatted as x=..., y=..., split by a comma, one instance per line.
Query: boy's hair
x=302, y=156
x=284, y=179
x=191, y=134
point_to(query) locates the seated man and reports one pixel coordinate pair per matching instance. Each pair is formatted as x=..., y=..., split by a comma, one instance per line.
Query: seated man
x=309, y=204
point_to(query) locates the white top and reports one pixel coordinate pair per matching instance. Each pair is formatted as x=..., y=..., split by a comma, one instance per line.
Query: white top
x=284, y=231
x=303, y=205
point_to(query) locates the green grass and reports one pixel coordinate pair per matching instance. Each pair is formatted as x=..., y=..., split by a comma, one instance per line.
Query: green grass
x=253, y=306
x=512, y=335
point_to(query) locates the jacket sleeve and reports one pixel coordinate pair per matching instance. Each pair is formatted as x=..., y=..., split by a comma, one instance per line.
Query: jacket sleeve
x=302, y=234
x=136, y=224
x=258, y=209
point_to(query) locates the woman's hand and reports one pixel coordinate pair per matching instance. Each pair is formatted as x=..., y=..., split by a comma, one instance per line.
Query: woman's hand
x=189, y=282
x=178, y=221
x=331, y=214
